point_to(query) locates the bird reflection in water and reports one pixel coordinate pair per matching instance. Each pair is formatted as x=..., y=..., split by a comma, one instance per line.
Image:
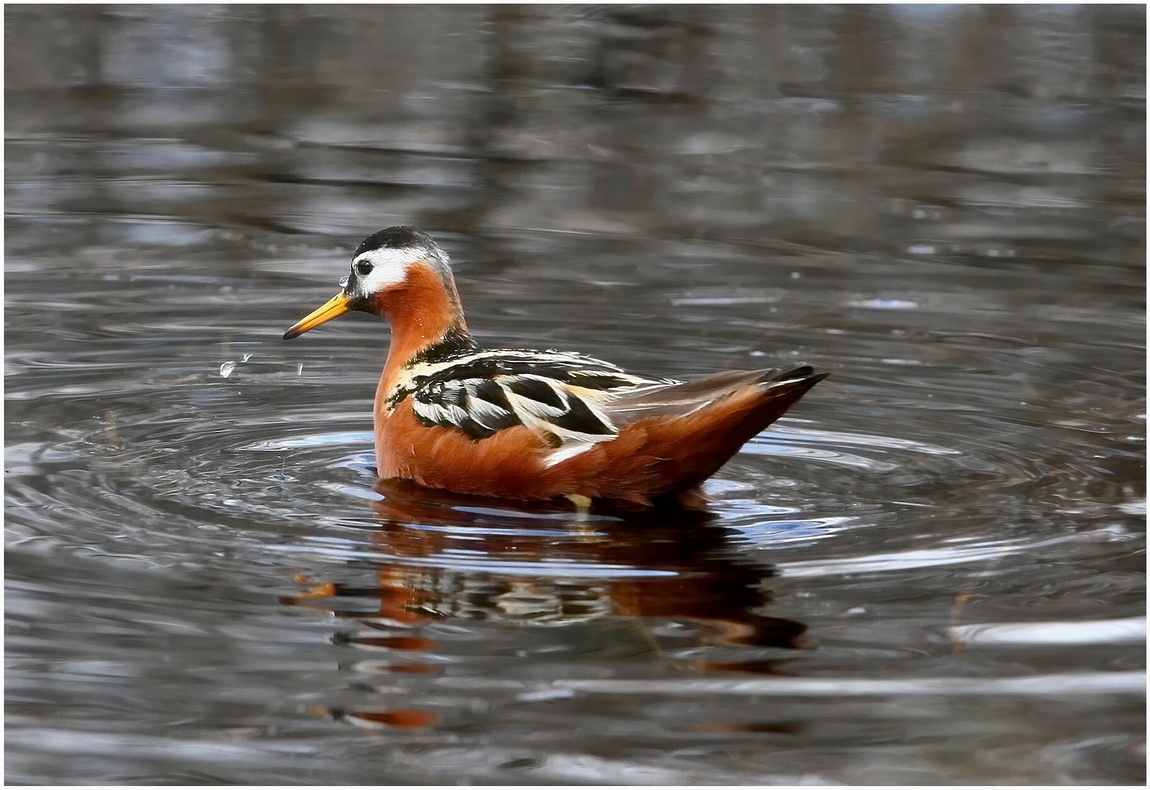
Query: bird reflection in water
x=471, y=603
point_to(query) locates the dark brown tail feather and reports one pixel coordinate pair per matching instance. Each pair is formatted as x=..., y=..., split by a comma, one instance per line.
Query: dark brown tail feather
x=743, y=414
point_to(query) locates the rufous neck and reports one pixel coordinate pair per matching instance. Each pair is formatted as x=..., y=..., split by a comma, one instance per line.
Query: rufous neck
x=422, y=311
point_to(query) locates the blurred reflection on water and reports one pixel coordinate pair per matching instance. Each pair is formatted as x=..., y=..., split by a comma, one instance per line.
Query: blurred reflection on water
x=981, y=131
x=943, y=205
x=603, y=580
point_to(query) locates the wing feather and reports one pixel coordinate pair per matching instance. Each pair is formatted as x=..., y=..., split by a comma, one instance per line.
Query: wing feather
x=680, y=398
x=565, y=398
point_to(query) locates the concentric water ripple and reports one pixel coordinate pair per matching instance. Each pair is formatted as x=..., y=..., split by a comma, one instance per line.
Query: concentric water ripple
x=857, y=543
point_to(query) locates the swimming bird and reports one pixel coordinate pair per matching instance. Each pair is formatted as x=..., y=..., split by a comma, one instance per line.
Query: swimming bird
x=522, y=424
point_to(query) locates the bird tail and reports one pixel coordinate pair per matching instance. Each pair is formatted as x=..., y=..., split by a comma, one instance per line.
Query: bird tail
x=691, y=429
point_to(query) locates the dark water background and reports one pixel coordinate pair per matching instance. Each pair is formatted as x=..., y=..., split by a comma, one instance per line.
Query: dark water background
x=931, y=571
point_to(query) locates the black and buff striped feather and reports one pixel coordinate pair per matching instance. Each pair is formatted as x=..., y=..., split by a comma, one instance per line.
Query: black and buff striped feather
x=570, y=400
x=560, y=396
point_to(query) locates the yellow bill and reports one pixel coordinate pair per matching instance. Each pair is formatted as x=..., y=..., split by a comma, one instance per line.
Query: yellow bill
x=332, y=308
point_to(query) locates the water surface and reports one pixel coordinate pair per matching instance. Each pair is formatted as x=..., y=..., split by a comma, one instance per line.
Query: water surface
x=930, y=571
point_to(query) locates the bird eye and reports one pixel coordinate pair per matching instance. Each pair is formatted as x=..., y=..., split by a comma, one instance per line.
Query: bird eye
x=363, y=268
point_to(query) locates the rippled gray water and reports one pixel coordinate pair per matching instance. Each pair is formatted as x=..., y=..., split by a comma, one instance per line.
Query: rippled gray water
x=930, y=571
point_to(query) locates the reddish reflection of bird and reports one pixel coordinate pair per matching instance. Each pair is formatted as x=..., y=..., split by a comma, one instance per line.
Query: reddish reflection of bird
x=552, y=579
x=524, y=424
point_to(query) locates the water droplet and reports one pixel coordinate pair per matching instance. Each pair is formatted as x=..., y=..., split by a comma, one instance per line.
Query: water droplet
x=299, y=369
x=227, y=368
x=343, y=281
x=246, y=357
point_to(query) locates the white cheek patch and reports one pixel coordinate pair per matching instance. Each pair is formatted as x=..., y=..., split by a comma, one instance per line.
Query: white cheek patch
x=389, y=268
